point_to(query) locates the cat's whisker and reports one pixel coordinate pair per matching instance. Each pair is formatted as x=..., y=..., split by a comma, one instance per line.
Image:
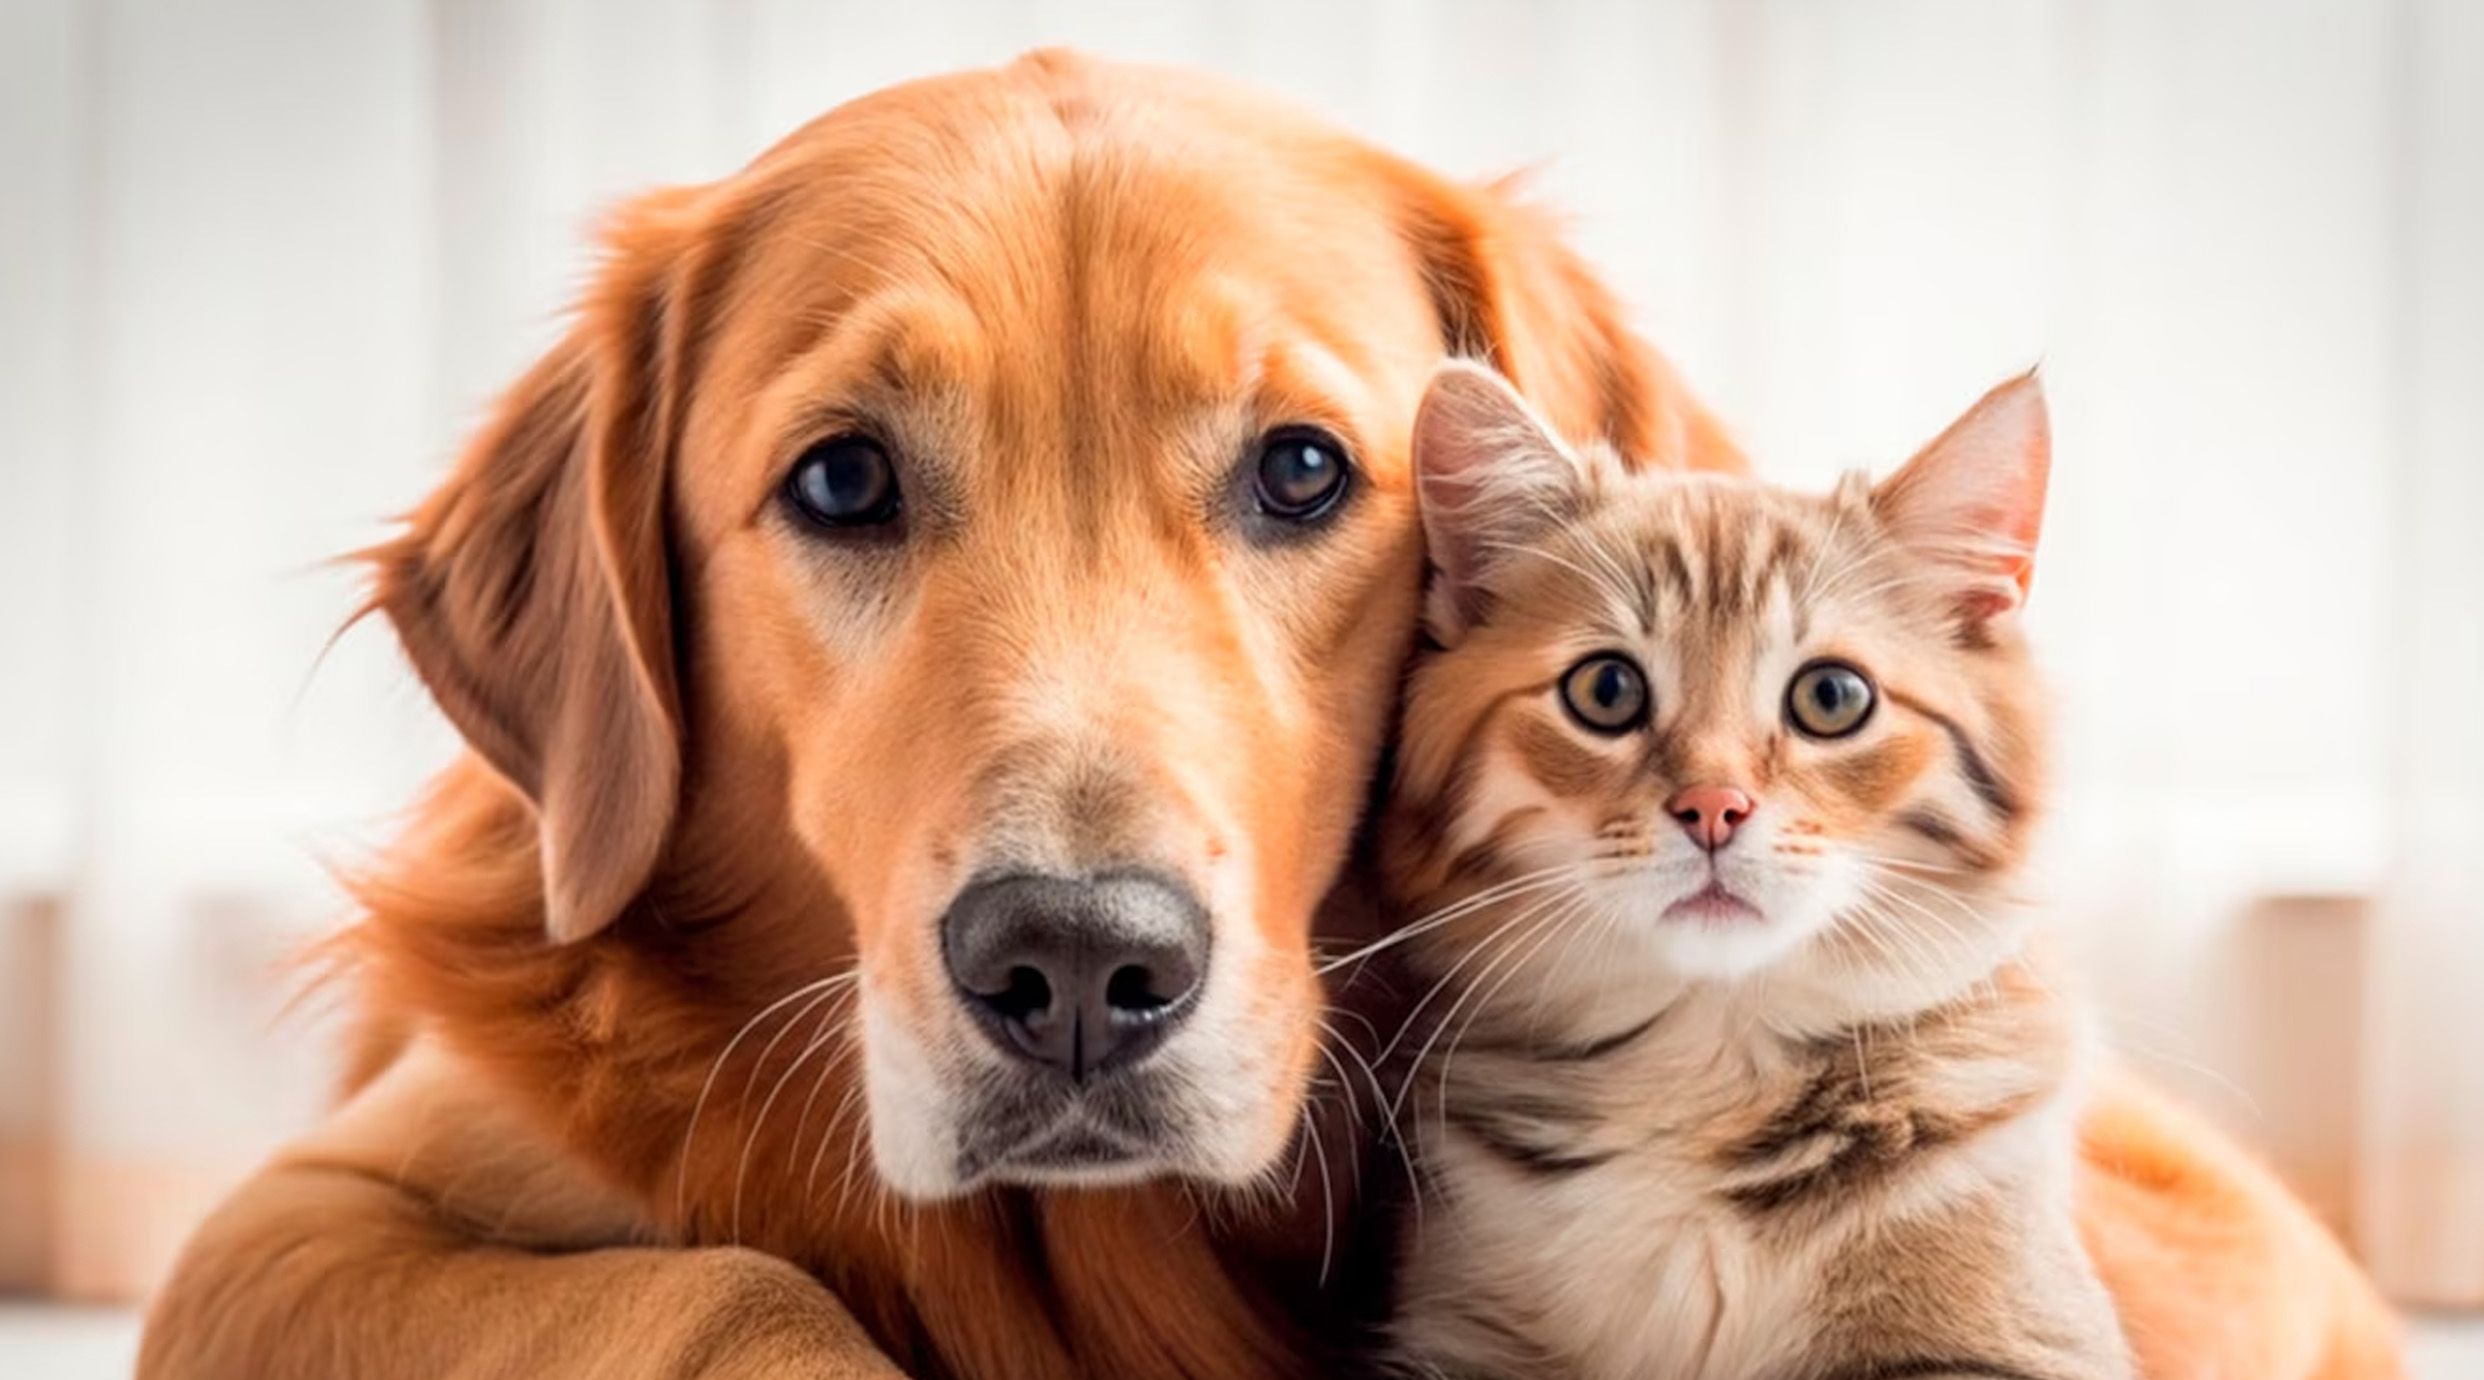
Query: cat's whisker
x=1422, y=1061
x=1533, y=918
x=1895, y=863
x=1937, y=939
x=1371, y=1078
x=1554, y=927
x=1535, y=906
x=1358, y=1018
x=1891, y=938
x=1331, y=1040
x=1506, y=890
x=1598, y=920
x=1959, y=922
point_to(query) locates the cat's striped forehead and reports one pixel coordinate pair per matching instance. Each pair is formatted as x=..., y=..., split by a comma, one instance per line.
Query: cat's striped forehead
x=1697, y=560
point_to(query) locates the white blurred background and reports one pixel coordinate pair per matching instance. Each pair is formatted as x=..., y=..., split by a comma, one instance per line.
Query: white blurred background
x=262, y=263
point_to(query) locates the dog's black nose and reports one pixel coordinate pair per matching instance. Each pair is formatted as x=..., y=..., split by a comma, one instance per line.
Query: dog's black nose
x=1083, y=974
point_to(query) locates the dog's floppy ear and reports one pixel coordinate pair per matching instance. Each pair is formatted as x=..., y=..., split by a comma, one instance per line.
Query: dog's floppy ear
x=1510, y=294
x=532, y=588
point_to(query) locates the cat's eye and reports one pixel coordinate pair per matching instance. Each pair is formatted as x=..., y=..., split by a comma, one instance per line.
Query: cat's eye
x=844, y=482
x=1829, y=699
x=1606, y=692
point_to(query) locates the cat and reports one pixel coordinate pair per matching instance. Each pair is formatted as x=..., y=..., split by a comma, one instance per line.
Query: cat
x=1748, y=1061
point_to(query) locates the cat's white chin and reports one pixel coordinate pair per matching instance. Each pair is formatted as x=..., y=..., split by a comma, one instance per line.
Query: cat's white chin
x=1731, y=919
x=1700, y=944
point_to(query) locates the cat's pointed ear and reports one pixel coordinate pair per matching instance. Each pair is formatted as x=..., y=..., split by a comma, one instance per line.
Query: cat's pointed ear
x=1973, y=500
x=1492, y=477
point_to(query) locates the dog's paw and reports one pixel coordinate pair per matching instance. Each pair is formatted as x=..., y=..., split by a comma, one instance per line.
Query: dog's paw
x=746, y=1315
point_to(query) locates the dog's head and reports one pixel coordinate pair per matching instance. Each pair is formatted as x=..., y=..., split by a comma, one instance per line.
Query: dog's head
x=974, y=546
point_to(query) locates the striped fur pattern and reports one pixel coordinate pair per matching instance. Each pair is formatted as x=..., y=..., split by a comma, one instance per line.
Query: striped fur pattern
x=1796, y=1105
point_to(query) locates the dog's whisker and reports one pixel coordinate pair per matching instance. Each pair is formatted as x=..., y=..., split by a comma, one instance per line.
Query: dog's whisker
x=681, y=1189
x=850, y=1099
x=802, y=1123
x=855, y=1156
x=828, y=1029
x=1328, y=1199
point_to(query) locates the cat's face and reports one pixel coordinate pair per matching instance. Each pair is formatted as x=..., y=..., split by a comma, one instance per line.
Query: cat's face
x=1737, y=724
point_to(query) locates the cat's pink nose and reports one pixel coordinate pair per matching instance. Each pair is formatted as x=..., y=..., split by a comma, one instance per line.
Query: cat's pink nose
x=1709, y=814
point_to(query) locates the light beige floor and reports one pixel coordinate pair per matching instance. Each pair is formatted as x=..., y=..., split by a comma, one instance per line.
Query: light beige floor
x=2447, y=1348
x=44, y=1343
x=40, y=1343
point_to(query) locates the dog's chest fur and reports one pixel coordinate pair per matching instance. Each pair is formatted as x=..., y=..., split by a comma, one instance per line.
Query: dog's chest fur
x=1694, y=1188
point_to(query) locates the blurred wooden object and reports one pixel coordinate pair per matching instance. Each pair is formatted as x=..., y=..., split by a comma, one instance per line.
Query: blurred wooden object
x=2298, y=1040
x=90, y=1210
x=2251, y=1008
x=30, y=1044
x=128, y=1187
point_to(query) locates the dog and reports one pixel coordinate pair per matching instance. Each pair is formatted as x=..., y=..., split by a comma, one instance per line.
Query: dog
x=925, y=638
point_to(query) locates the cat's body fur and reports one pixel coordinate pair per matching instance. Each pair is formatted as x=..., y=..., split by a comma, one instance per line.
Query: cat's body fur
x=1714, y=1199
x=1830, y=1135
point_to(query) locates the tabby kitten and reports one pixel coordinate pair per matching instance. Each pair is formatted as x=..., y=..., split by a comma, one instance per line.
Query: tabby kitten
x=1713, y=794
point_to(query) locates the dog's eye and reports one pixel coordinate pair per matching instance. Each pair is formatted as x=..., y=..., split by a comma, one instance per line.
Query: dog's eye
x=1829, y=699
x=845, y=481
x=1607, y=692
x=1300, y=475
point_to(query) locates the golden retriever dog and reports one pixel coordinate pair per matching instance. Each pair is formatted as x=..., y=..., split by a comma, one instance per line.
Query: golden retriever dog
x=926, y=639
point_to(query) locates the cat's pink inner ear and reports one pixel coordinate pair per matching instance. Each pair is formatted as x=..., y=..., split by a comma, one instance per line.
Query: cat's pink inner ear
x=1974, y=498
x=1490, y=476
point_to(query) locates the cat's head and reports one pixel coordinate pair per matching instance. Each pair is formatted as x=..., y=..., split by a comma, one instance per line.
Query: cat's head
x=1718, y=727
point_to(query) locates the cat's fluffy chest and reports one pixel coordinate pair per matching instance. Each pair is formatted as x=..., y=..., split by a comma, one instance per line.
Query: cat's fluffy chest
x=1685, y=1193
x=1638, y=1257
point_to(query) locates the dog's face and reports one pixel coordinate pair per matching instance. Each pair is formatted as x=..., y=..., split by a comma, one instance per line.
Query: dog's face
x=994, y=559
x=1058, y=564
